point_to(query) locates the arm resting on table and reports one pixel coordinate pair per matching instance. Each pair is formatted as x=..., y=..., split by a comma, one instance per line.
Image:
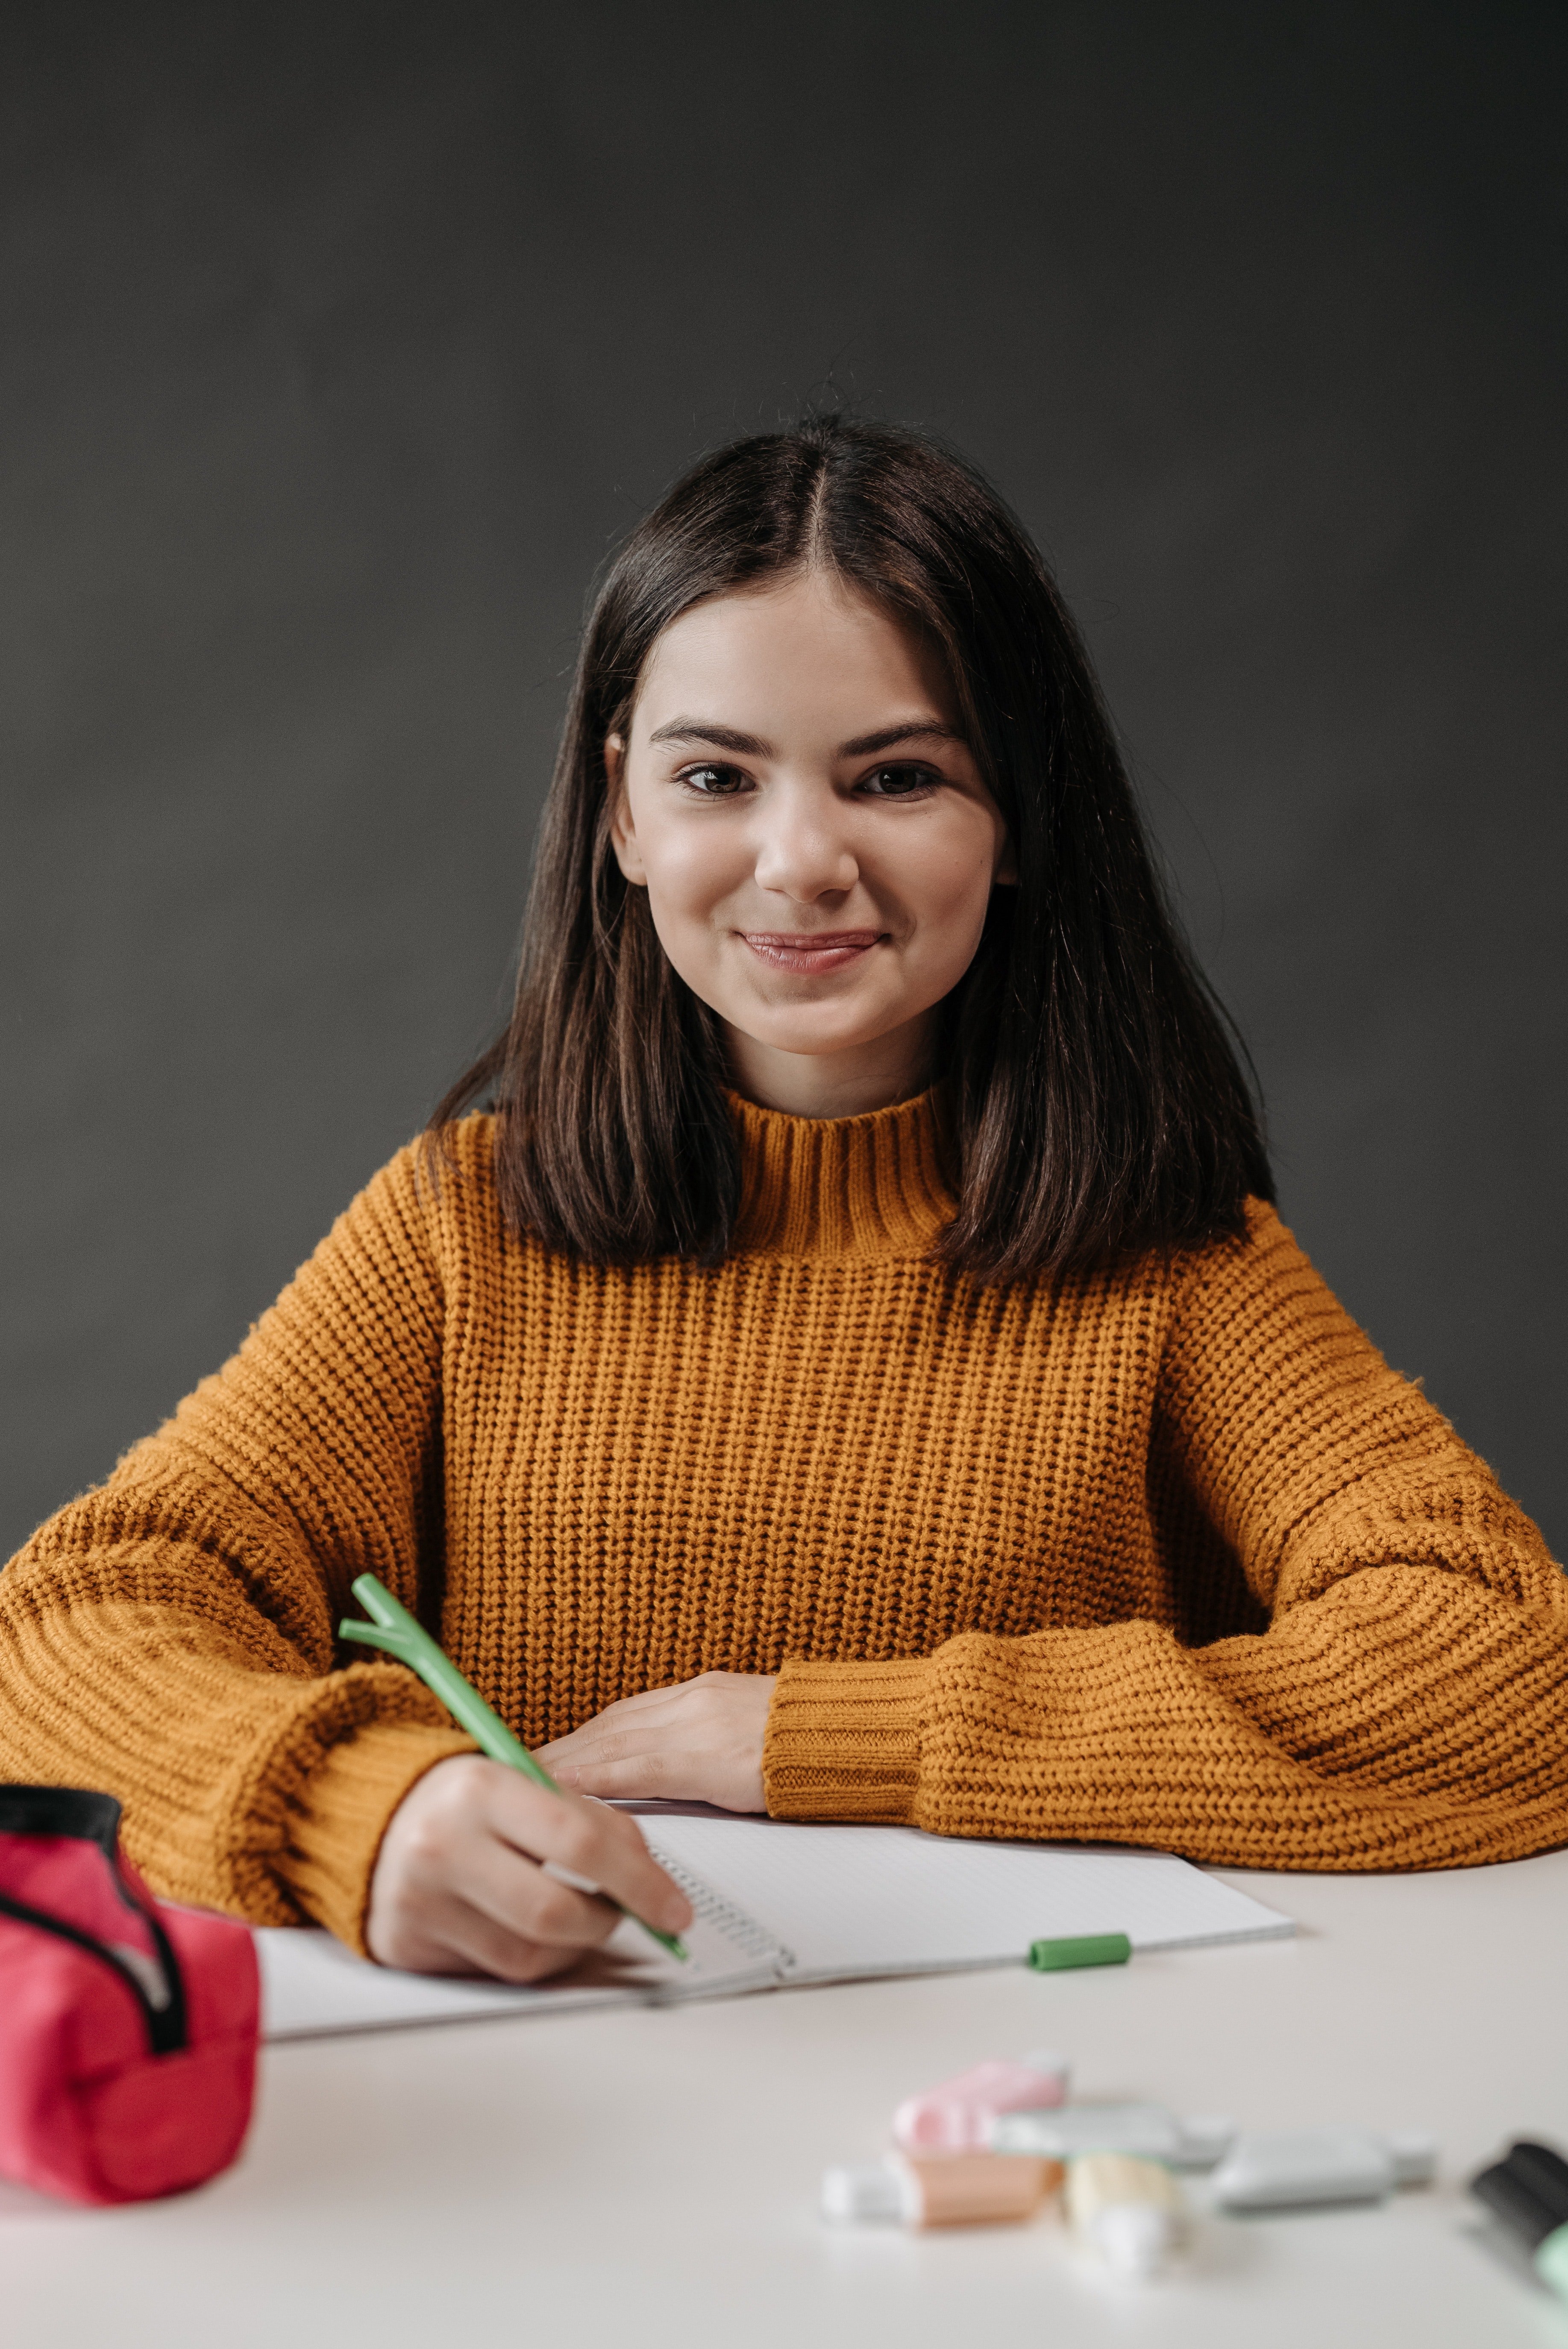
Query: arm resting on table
x=1406, y=1705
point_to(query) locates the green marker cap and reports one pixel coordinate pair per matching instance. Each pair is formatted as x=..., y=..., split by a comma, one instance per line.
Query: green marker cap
x=1079, y=1950
x=1552, y=2260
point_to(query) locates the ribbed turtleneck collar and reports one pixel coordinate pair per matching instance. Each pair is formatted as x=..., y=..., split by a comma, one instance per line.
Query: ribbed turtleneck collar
x=841, y=1186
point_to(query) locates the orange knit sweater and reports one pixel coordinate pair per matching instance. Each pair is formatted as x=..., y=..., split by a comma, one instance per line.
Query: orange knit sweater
x=1165, y=1555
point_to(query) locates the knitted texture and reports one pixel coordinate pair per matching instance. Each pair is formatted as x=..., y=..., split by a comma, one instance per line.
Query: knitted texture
x=1164, y=1556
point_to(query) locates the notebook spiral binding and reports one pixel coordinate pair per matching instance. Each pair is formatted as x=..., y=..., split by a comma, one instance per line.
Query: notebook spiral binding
x=755, y=1939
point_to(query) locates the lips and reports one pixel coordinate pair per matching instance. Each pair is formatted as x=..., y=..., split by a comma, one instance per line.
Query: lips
x=811, y=950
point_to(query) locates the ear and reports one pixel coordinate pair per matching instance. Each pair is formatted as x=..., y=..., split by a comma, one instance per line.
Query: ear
x=623, y=834
x=1006, y=877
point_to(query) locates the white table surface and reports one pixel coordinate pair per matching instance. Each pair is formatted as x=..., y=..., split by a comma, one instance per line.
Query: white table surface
x=650, y=2178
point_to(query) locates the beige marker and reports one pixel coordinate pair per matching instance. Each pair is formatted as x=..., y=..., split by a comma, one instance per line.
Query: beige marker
x=1128, y=2210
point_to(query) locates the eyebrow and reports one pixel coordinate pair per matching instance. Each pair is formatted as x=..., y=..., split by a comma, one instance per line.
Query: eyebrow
x=750, y=746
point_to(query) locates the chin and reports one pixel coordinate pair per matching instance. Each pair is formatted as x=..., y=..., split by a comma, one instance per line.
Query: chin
x=813, y=1046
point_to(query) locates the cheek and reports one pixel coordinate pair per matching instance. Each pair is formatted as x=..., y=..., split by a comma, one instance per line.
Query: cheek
x=689, y=869
x=947, y=887
x=693, y=871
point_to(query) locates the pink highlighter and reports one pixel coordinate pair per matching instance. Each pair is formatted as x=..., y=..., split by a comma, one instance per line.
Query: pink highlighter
x=956, y=2116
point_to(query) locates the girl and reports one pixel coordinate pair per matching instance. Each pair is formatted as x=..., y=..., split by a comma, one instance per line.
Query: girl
x=853, y=1369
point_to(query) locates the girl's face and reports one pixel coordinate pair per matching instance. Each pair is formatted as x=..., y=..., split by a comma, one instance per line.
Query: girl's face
x=818, y=847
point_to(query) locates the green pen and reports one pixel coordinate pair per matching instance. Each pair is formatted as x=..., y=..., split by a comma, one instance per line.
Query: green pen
x=394, y=1629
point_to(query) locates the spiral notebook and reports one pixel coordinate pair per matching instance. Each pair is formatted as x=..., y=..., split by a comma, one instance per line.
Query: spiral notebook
x=777, y=1904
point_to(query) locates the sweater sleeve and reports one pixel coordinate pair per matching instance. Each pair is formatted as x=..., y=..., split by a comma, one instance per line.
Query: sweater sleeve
x=169, y=1638
x=1404, y=1707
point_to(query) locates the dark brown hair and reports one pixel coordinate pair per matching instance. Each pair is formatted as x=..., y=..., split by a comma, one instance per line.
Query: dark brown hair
x=1092, y=1101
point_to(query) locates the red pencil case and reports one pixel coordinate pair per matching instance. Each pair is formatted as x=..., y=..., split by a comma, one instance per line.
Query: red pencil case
x=128, y=2028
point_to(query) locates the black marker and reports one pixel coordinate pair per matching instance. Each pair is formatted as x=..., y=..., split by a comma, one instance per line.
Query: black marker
x=1528, y=2190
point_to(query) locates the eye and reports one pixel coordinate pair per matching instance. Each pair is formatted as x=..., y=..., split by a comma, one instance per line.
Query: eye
x=712, y=782
x=902, y=783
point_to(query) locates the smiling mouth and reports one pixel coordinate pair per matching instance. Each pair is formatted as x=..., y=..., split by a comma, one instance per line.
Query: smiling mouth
x=811, y=950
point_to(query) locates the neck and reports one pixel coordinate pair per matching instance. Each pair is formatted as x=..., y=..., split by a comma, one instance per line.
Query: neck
x=890, y=1069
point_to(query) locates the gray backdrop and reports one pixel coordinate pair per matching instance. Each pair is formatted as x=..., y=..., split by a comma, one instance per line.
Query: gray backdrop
x=336, y=345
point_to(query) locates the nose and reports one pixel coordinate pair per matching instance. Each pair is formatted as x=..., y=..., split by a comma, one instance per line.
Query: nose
x=804, y=850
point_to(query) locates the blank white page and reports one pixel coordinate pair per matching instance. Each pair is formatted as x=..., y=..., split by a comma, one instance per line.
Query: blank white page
x=847, y=1900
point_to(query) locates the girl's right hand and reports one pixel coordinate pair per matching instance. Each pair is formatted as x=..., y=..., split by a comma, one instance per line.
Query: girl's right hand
x=458, y=1887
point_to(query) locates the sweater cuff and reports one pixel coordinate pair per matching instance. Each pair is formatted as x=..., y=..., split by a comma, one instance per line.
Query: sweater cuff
x=843, y=1741
x=339, y=1817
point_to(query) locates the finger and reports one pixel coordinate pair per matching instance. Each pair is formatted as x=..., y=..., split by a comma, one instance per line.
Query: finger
x=648, y=1705
x=602, y=1740
x=449, y=1850
x=464, y=1938
x=703, y=1688
x=710, y=1697
x=599, y=1845
x=654, y=1774
x=644, y=1700
x=611, y=1751
x=524, y=1902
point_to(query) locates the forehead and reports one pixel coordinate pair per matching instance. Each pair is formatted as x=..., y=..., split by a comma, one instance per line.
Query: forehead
x=811, y=653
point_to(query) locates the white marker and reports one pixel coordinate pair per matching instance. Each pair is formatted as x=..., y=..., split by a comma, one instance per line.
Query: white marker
x=1291, y=2169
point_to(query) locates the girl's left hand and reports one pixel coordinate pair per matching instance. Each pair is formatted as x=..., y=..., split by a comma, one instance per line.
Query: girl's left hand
x=700, y=1741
